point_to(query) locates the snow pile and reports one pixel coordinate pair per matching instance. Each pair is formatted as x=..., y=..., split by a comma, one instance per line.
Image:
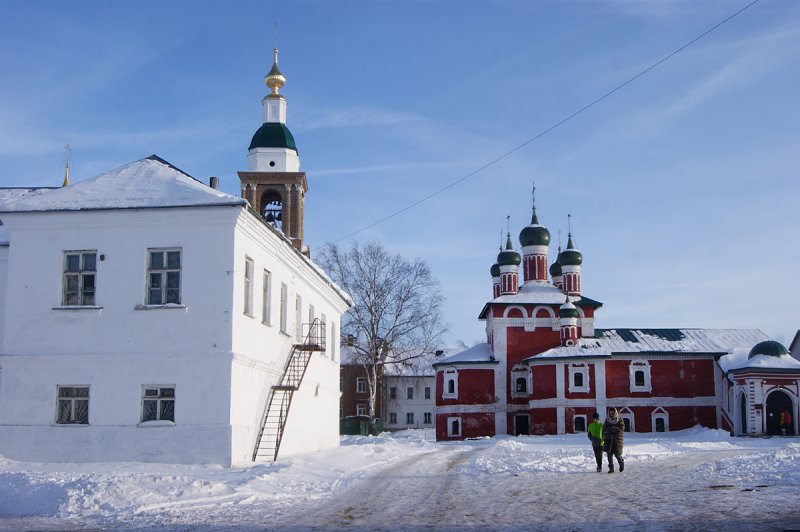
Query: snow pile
x=401, y=480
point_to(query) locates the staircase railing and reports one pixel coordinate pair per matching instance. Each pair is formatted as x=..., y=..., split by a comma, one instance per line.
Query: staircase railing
x=276, y=413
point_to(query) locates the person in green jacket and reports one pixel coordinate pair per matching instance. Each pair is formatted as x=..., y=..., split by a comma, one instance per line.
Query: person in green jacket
x=596, y=437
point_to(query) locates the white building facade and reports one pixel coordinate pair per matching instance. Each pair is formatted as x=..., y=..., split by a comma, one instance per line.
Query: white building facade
x=147, y=317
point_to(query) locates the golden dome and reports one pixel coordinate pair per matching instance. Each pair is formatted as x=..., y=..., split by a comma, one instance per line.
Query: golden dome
x=275, y=80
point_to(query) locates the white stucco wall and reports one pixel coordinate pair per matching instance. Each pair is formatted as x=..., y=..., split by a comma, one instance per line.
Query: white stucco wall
x=219, y=361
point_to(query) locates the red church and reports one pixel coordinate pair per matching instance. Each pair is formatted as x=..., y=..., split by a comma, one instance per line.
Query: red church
x=545, y=368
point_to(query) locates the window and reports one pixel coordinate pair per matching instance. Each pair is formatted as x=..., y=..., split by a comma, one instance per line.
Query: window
x=450, y=384
x=248, y=286
x=80, y=268
x=73, y=405
x=361, y=409
x=323, y=330
x=428, y=418
x=158, y=403
x=298, y=317
x=392, y=393
x=660, y=420
x=520, y=380
x=284, y=309
x=579, y=424
x=311, y=314
x=578, y=378
x=334, y=344
x=640, y=376
x=454, y=426
x=393, y=418
x=627, y=418
x=427, y=392
x=164, y=277
x=361, y=385
x=266, y=295
x=409, y=393
x=410, y=418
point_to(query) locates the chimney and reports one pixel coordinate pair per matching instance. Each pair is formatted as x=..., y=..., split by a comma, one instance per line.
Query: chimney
x=213, y=182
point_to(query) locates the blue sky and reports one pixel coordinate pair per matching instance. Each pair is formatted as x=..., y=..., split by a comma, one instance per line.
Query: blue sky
x=682, y=187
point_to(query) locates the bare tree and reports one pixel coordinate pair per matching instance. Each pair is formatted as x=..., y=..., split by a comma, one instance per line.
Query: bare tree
x=397, y=313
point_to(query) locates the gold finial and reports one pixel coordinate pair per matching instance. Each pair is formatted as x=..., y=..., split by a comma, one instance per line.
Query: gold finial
x=275, y=80
x=68, y=149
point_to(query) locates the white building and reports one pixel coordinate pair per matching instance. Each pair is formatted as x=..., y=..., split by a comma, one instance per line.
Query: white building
x=145, y=316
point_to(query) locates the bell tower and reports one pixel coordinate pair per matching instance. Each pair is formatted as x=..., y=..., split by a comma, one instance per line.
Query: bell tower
x=273, y=183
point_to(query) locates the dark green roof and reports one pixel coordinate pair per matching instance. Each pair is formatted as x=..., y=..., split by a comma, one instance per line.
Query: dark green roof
x=555, y=269
x=534, y=235
x=768, y=347
x=495, y=270
x=509, y=257
x=273, y=135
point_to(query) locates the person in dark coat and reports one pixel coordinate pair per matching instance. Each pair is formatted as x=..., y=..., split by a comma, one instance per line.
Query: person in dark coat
x=613, y=435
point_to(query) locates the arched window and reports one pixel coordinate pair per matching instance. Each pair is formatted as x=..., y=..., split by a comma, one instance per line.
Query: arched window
x=579, y=424
x=522, y=385
x=451, y=386
x=272, y=208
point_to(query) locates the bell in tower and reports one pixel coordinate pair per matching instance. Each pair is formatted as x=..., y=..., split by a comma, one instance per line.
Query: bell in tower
x=273, y=183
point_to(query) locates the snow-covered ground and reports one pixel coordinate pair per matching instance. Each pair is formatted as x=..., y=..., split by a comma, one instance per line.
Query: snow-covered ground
x=698, y=479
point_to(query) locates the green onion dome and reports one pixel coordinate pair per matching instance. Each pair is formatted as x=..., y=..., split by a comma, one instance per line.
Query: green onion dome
x=568, y=310
x=508, y=257
x=273, y=135
x=555, y=269
x=570, y=256
x=495, y=270
x=534, y=234
x=770, y=348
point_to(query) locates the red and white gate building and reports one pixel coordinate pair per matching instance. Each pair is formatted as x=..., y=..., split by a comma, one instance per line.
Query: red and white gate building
x=545, y=368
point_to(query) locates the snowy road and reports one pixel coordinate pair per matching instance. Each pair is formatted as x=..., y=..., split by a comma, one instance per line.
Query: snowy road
x=690, y=480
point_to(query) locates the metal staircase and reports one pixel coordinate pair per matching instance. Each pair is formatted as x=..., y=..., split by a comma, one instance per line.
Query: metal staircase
x=273, y=421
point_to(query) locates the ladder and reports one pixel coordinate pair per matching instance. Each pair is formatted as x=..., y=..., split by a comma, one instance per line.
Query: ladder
x=273, y=422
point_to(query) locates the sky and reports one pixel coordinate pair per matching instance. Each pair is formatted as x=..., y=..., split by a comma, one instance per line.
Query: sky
x=682, y=185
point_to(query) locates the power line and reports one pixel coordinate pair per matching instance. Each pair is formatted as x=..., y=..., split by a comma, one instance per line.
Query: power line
x=551, y=128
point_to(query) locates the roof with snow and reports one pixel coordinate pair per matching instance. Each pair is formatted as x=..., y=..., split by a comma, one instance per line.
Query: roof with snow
x=538, y=293
x=151, y=182
x=477, y=354
x=10, y=194
x=414, y=364
x=608, y=342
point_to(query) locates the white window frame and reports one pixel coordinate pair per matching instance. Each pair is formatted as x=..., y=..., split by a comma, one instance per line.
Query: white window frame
x=427, y=392
x=284, y=309
x=163, y=274
x=248, y=286
x=447, y=376
x=660, y=413
x=579, y=369
x=644, y=366
x=409, y=393
x=409, y=418
x=585, y=423
x=450, y=432
x=361, y=385
x=361, y=409
x=626, y=413
x=324, y=324
x=519, y=372
x=428, y=418
x=63, y=396
x=81, y=275
x=311, y=315
x=334, y=343
x=161, y=397
x=266, y=298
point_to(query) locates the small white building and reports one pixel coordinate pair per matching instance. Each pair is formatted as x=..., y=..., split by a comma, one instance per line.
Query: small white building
x=145, y=316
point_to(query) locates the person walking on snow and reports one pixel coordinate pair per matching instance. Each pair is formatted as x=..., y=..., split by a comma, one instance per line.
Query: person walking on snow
x=613, y=430
x=596, y=437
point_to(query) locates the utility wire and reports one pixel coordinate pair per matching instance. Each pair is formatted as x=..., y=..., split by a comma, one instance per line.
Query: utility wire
x=551, y=128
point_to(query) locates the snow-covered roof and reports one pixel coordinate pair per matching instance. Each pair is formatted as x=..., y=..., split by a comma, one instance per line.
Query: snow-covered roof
x=607, y=342
x=11, y=194
x=538, y=293
x=147, y=183
x=477, y=354
x=414, y=364
x=739, y=359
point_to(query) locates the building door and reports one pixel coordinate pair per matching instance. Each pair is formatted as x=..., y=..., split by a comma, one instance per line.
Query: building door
x=522, y=425
x=777, y=403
